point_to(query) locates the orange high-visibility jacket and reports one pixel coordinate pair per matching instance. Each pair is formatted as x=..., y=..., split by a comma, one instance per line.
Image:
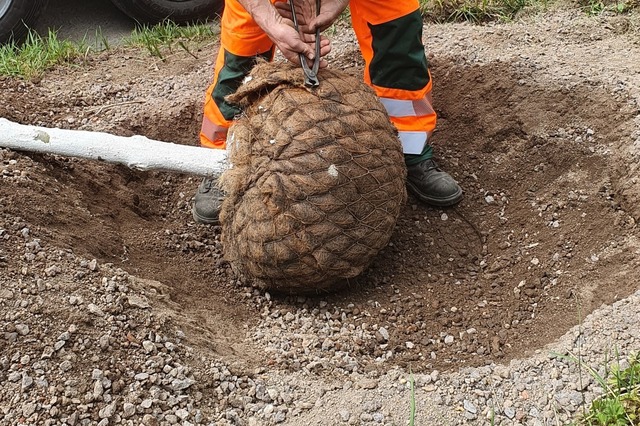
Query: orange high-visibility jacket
x=390, y=38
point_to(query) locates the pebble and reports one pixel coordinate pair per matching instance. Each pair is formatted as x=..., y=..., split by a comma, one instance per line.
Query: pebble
x=384, y=333
x=468, y=406
x=137, y=301
x=345, y=415
x=28, y=408
x=108, y=411
x=128, y=410
x=148, y=346
x=509, y=412
x=95, y=310
x=27, y=382
x=182, y=414
x=22, y=329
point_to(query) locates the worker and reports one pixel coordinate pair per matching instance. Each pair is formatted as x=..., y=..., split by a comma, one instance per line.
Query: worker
x=389, y=34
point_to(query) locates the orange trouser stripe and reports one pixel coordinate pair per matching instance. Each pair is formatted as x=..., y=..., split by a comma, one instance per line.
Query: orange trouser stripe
x=240, y=36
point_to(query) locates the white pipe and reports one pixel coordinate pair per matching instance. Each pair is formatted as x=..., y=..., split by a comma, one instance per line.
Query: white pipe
x=137, y=152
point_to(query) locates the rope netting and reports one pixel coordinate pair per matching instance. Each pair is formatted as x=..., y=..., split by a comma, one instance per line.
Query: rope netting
x=317, y=182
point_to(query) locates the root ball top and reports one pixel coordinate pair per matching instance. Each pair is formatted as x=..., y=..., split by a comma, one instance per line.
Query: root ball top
x=317, y=182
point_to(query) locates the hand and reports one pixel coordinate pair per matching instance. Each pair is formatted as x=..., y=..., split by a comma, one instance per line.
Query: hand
x=306, y=13
x=281, y=31
x=291, y=44
x=305, y=9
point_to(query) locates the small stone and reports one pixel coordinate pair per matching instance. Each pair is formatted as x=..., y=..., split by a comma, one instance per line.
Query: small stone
x=279, y=417
x=5, y=293
x=268, y=409
x=128, y=409
x=384, y=333
x=93, y=265
x=141, y=376
x=509, y=412
x=444, y=217
x=468, y=406
x=27, y=382
x=73, y=418
x=147, y=403
x=182, y=414
x=14, y=376
x=489, y=199
x=28, y=408
x=58, y=345
x=178, y=385
x=108, y=411
x=65, y=365
x=95, y=310
x=345, y=415
x=369, y=384
x=149, y=420
x=104, y=342
x=148, y=346
x=327, y=344
x=98, y=389
x=448, y=340
x=22, y=329
x=137, y=301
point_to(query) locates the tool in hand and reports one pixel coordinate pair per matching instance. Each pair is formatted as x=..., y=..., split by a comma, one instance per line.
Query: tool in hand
x=310, y=74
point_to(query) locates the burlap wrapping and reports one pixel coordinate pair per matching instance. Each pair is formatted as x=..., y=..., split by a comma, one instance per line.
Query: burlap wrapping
x=317, y=182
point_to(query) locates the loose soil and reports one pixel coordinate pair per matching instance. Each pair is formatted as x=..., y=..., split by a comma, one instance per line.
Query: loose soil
x=541, y=144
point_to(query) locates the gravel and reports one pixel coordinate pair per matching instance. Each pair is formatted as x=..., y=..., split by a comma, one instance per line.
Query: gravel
x=96, y=371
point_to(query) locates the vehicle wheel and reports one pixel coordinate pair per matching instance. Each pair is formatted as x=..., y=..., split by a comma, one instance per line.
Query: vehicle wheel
x=179, y=11
x=17, y=16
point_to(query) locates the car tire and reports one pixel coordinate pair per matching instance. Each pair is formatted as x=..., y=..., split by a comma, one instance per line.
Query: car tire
x=179, y=11
x=17, y=16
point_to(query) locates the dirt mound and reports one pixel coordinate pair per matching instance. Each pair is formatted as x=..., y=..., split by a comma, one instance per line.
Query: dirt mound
x=317, y=183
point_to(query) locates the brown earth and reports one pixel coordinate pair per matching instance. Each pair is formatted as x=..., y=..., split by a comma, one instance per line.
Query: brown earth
x=542, y=237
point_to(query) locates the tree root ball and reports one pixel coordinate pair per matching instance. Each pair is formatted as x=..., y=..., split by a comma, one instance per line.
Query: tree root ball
x=317, y=180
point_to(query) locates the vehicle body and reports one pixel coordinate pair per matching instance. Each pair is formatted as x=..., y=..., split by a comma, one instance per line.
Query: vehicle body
x=17, y=16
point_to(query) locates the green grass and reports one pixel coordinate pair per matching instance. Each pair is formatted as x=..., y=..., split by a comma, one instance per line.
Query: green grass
x=163, y=37
x=483, y=11
x=475, y=11
x=598, y=7
x=37, y=54
x=412, y=401
x=620, y=403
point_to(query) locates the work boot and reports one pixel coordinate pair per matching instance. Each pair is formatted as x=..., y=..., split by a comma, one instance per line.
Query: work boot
x=431, y=185
x=207, y=202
